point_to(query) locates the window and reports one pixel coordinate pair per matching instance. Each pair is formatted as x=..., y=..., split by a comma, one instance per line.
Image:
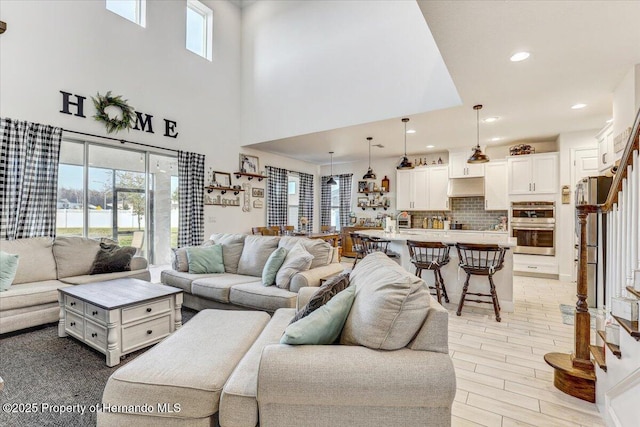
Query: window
x=133, y=10
x=335, y=205
x=293, y=200
x=199, y=28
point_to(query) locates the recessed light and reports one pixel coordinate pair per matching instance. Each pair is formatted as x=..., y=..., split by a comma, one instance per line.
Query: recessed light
x=609, y=121
x=490, y=119
x=430, y=146
x=578, y=106
x=411, y=131
x=497, y=138
x=520, y=56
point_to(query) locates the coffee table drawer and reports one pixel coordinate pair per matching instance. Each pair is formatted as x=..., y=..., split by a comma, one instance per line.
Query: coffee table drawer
x=148, y=309
x=94, y=313
x=74, y=304
x=146, y=332
x=96, y=334
x=74, y=324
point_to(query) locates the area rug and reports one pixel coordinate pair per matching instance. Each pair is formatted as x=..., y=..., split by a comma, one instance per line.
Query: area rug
x=48, y=380
x=568, y=312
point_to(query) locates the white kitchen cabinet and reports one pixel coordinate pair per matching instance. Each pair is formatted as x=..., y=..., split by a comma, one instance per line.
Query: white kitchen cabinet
x=533, y=174
x=459, y=168
x=495, y=186
x=423, y=189
x=606, y=154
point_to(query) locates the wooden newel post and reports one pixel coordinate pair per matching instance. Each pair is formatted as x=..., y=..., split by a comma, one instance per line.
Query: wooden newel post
x=582, y=324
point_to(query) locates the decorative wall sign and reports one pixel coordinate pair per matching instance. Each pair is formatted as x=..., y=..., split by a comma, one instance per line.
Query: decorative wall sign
x=113, y=123
x=258, y=204
x=247, y=187
x=249, y=164
x=218, y=200
x=257, y=192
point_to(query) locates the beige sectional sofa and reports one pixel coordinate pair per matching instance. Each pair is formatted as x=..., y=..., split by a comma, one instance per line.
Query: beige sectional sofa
x=239, y=375
x=46, y=265
x=240, y=286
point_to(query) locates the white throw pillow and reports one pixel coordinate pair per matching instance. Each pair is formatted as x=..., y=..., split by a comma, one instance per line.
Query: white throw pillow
x=298, y=259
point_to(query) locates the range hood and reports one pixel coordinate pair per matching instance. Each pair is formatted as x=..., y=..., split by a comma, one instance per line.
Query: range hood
x=466, y=187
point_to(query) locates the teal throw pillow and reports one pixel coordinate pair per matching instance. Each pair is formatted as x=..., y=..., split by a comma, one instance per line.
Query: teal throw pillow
x=8, y=268
x=271, y=267
x=205, y=259
x=324, y=325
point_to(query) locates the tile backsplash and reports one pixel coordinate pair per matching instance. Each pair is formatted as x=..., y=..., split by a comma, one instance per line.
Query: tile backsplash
x=468, y=211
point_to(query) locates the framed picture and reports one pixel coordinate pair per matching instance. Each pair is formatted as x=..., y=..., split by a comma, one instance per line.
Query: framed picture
x=222, y=179
x=249, y=164
x=257, y=192
x=363, y=201
x=362, y=186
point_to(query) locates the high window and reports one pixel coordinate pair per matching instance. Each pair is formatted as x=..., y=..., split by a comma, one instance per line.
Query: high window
x=133, y=10
x=199, y=29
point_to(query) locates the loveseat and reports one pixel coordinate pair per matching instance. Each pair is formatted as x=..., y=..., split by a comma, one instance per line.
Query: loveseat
x=240, y=286
x=390, y=367
x=44, y=266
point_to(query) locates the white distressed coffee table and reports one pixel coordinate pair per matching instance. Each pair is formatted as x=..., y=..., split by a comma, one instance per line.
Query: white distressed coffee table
x=119, y=316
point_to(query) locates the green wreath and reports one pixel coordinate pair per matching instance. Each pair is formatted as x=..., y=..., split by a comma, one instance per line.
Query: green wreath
x=114, y=124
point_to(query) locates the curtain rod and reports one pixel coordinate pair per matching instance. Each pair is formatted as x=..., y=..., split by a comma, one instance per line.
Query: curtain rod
x=122, y=141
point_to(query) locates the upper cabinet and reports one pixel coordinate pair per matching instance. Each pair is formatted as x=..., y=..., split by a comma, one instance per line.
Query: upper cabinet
x=533, y=174
x=495, y=186
x=422, y=189
x=606, y=153
x=459, y=168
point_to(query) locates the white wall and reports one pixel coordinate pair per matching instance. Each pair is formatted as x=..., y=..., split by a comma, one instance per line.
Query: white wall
x=314, y=66
x=82, y=48
x=626, y=101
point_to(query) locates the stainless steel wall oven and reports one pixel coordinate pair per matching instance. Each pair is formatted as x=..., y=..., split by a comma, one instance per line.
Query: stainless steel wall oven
x=533, y=224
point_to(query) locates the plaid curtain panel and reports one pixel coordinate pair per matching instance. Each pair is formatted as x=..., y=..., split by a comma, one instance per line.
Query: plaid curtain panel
x=29, y=157
x=345, y=198
x=277, y=196
x=325, y=201
x=306, y=199
x=191, y=203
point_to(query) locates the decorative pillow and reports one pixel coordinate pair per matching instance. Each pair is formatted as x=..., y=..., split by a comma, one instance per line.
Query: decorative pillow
x=322, y=296
x=255, y=253
x=112, y=258
x=323, y=326
x=206, y=259
x=179, y=260
x=272, y=266
x=298, y=259
x=232, y=245
x=8, y=268
x=322, y=251
x=390, y=306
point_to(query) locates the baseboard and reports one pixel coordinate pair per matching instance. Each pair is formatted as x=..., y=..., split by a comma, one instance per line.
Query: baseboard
x=538, y=275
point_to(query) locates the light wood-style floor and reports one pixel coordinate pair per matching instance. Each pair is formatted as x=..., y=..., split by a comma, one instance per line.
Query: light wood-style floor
x=502, y=377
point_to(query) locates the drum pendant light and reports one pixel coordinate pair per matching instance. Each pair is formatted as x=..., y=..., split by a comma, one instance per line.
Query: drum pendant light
x=404, y=162
x=369, y=174
x=331, y=181
x=478, y=156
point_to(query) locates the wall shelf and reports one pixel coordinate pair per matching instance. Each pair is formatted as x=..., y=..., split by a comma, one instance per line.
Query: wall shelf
x=382, y=193
x=375, y=207
x=629, y=326
x=224, y=190
x=614, y=348
x=250, y=176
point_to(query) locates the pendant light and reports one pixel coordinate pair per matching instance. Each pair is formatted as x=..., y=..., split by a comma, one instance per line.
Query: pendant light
x=331, y=181
x=369, y=174
x=478, y=156
x=404, y=162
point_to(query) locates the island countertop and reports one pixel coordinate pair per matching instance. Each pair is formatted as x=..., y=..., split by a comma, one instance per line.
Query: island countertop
x=445, y=236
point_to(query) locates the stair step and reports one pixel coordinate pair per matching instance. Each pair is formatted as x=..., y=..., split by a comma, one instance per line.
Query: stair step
x=577, y=382
x=598, y=356
x=614, y=348
x=633, y=291
x=629, y=326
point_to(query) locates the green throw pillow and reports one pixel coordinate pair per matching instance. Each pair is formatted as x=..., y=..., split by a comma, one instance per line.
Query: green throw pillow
x=8, y=268
x=205, y=259
x=271, y=267
x=324, y=325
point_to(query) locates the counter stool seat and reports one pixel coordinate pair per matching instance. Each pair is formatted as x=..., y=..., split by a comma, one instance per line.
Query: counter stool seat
x=480, y=260
x=430, y=256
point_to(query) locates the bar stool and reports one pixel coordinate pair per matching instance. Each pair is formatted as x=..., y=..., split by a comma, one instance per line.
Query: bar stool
x=481, y=260
x=358, y=245
x=430, y=256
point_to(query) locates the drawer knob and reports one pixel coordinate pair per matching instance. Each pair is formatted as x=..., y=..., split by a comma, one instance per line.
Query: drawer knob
x=149, y=332
x=72, y=323
x=149, y=310
x=95, y=313
x=94, y=335
x=72, y=303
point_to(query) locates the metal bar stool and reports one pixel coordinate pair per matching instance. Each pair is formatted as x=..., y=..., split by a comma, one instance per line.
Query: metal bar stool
x=480, y=260
x=430, y=256
x=358, y=244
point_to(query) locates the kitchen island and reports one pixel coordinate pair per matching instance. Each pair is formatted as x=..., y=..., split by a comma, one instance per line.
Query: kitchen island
x=454, y=276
